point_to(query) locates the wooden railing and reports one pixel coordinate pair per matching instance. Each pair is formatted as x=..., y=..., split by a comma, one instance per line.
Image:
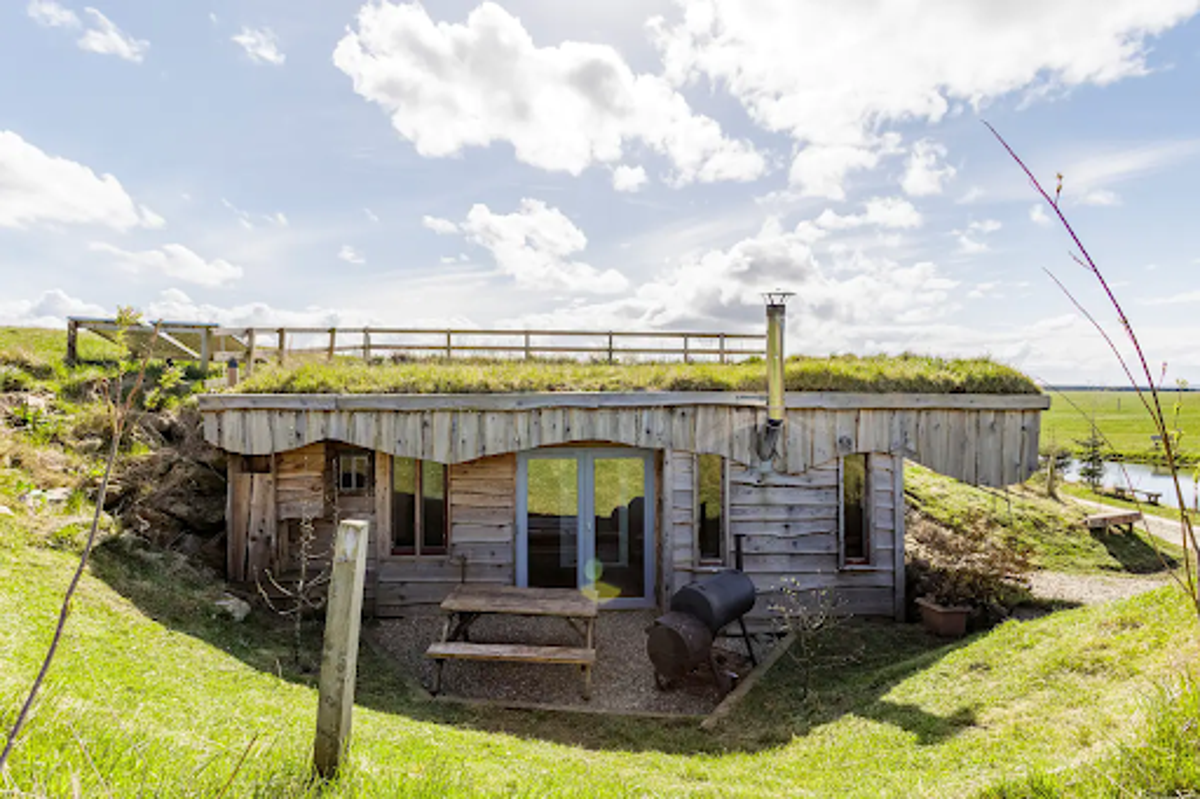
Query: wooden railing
x=371, y=343
x=250, y=345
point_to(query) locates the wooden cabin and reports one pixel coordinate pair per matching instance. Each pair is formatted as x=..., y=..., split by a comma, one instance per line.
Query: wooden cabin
x=629, y=494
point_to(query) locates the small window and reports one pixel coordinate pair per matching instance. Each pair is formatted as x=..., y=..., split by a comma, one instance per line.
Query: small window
x=855, y=533
x=710, y=509
x=419, y=527
x=354, y=474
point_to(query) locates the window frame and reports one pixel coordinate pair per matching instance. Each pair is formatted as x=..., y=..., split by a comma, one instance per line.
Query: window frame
x=723, y=531
x=351, y=457
x=866, y=561
x=419, y=549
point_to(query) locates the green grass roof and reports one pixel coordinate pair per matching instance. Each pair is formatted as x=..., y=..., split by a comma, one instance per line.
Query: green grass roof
x=877, y=374
x=39, y=352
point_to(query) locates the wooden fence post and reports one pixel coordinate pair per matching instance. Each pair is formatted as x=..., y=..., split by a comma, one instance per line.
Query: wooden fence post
x=249, y=352
x=339, y=655
x=282, y=345
x=72, y=342
x=332, y=344
x=610, y=346
x=449, y=345
x=366, y=345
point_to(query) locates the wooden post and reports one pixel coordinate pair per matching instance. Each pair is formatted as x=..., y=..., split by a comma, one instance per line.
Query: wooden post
x=249, y=352
x=687, y=358
x=205, y=349
x=449, y=347
x=610, y=346
x=722, y=348
x=282, y=345
x=72, y=342
x=366, y=344
x=339, y=656
x=332, y=343
x=528, y=352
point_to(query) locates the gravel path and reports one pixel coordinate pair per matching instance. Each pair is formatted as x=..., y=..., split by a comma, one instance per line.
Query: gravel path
x=622, y=679
x=1090, y=589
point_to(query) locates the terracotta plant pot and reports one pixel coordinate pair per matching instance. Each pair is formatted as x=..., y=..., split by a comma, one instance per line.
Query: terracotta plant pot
x=945, y=621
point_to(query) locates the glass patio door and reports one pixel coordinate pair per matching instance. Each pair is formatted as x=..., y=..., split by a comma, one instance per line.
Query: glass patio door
x=585, y=519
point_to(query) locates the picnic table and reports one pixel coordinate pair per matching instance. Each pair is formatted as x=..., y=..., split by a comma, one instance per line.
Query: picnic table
x=1118, y=519
x=468, y=603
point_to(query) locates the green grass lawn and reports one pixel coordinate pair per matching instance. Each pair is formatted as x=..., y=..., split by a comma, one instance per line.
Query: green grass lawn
x=156, y=693
x=1121, y=418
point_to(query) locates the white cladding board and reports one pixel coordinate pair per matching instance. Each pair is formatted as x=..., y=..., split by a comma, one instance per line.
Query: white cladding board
x=983, y=439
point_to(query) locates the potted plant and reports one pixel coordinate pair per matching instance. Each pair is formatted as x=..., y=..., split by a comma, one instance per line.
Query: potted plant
x=948, y=621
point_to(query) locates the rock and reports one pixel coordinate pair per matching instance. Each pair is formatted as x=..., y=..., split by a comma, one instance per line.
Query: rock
x=57, y=494
x=238, y=609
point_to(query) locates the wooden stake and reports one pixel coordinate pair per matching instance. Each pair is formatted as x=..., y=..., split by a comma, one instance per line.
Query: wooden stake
x=72, y=342
x=339, y=656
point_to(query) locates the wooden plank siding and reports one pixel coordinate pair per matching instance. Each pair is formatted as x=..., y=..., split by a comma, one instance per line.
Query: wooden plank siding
x=984, y=439
x=789, y=529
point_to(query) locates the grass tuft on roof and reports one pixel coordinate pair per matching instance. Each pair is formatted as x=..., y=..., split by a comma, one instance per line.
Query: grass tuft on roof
x=906, y=373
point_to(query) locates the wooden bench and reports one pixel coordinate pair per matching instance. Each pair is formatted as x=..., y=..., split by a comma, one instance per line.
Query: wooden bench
x=1122, y=520
x=467, y=603
x=1120, y=492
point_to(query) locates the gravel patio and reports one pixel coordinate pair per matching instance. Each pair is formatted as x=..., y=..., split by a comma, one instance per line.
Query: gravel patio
x=622, y=679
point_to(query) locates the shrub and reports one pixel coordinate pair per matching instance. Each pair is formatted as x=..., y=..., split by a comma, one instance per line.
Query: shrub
x=963, y=569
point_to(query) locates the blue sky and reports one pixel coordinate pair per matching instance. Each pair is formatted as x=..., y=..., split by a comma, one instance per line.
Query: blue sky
x=610, y=165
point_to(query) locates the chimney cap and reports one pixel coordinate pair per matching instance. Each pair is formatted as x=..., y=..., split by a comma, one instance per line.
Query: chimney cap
x=777, y=297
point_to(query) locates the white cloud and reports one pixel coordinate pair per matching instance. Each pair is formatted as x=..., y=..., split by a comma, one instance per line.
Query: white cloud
x=835, y=76
x=173, y=260
x=1099, y=197
x=969, y=242
x=984, y=226
x=1183, y=298
x=534, y=245
x=925, y=173
x=52, y=15
x=351, y=255
x=841, y=297
x=261, y=45
x=36, y=188
x=1039, y=217
x=49, y=310
x=820, y=170
x=449, y=86
x=371, y=215
x=103, y=37
x=886, y=212
x=628, y=178
x=440, y=226
x=279, y=219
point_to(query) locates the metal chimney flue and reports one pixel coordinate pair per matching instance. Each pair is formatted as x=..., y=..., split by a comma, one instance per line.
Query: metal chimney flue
x=776, y=411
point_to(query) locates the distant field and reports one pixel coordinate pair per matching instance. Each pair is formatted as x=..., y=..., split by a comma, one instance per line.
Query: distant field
x=1121, y=418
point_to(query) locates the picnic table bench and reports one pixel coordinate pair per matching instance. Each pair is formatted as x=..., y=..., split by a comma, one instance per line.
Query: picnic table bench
x=1119, y=519
x=1121, y=492
x=467, y=603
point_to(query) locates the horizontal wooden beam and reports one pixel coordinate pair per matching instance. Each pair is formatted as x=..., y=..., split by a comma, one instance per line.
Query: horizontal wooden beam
x=815, y=400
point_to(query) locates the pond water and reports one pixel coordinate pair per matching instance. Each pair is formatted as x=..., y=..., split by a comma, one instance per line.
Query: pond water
x=1144, y=477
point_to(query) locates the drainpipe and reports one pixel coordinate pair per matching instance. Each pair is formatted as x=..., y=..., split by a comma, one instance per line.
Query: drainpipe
x=768, y=438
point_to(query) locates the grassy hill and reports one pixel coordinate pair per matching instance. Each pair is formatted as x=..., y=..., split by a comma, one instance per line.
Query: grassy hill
x=1048, y=533
x=157, y=693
